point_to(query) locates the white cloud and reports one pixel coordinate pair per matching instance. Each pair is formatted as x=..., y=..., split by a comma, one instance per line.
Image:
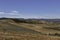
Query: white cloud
x=15, y=12
x=1, y=13
x=12, y=14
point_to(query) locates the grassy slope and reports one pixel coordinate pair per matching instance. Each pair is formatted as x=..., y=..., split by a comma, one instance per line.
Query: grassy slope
x=7, y=26
x=40, y=27
x=9, y=30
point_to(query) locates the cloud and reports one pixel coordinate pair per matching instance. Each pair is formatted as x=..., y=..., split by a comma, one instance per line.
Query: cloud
x=16, y=14
x=12, y=14
x=1, y=13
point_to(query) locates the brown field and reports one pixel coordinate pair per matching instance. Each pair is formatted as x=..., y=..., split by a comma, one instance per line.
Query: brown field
x=10, y=30
x=13, y=36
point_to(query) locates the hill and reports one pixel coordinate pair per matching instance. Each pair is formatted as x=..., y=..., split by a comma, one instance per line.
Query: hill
x=29, y=29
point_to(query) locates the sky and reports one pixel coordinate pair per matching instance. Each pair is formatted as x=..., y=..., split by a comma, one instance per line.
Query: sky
x=30, y=8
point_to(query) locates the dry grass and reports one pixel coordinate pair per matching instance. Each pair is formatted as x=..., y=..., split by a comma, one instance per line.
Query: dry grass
x=25, y=31
x=12, y=36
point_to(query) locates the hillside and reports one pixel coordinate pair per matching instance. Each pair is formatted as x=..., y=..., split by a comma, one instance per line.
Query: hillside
x=29, y=29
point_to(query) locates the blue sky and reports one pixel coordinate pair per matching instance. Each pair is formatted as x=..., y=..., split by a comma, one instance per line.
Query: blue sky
x=30, y=8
